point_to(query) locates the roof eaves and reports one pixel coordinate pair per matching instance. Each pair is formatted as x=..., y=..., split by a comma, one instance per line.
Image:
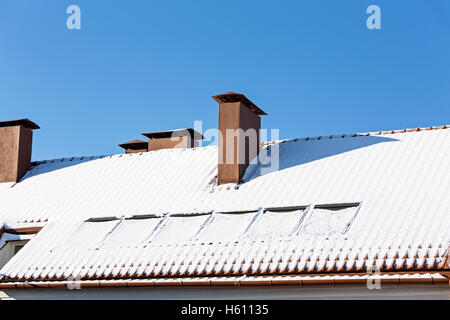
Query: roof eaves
x=305, y=280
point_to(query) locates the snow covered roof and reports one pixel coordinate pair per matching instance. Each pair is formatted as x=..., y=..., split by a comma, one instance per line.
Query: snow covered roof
x=336, y=204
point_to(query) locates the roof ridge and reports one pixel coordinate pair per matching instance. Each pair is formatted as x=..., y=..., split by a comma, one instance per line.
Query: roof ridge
x=416, y=129
x=116, y=155
x=344, y=135
x=65, y=159
x=369, y=133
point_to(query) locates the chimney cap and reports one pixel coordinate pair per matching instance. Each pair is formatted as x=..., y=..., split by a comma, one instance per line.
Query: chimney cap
x=27, y=123
x=175, y=133
x=238, y=97
x=134, y=145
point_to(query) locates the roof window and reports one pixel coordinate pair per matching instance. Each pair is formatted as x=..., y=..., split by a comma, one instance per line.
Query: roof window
x=276, y=223
x=329, y=220
x=226, y=226
x=179, y=228
x=134, y=231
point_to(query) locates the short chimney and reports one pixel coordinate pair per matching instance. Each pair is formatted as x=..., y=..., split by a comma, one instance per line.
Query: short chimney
x=134, y=146
x=16, y=140
x=180, y=138
x=239, y=125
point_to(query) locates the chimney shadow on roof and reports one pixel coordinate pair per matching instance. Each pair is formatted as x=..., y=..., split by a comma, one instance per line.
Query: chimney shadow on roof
x=294, y=153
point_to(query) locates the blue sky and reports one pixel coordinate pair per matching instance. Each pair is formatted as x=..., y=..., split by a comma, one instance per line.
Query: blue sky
x=142, y=66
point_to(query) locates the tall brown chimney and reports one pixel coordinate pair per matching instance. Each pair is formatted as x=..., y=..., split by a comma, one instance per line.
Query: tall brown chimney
x=239, y=125
x=16, y=140
x=180, y=138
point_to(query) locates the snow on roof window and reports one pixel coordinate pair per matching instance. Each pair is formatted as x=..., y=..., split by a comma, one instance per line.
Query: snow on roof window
x=91, y=233
x=226, y=226
x=277, y=223
x=177, y=229
x=133, y=231
x=328, y=221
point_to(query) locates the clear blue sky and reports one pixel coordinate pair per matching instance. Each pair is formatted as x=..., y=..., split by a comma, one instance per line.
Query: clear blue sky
x=141, y=66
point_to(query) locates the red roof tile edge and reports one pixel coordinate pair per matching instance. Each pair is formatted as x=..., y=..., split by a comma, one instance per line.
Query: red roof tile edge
x=330, y=280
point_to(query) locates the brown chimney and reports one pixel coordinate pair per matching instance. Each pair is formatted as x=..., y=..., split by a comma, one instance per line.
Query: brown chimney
x=134, y=146
x=239, y=125
x=16, y=140
x=180, y=138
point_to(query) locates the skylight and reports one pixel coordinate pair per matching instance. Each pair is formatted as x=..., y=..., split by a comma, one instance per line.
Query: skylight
x=273, y=223
x=133, y=231
x=91, y=233
x=177, y=229
x=328, y=221
x=226, y=226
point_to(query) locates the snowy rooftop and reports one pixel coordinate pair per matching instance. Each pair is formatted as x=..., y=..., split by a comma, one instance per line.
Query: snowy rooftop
x=337, y=203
